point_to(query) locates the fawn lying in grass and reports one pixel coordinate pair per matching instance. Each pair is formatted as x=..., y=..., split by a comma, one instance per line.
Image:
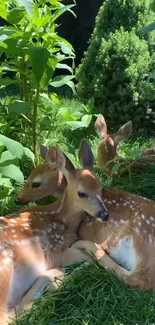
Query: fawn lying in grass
x=107, y=155
x=34, y=244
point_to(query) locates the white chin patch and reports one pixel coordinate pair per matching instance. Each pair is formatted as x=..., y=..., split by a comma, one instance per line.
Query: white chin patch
x=99, y=219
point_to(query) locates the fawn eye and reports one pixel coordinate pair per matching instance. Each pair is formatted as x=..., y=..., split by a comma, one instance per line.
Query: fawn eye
x=36, y=184
x=82, y=195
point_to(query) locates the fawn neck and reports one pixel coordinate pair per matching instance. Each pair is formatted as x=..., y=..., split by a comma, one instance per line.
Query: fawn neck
x=68, y=212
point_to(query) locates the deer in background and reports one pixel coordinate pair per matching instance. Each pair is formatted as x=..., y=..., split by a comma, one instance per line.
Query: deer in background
x=34, y=245
x=107, y=149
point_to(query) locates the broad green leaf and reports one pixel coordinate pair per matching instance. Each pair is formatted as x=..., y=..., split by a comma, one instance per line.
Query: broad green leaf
x=71, y=85
x=45, y=124
x=39, y=57
x=13, y=146
x=67, y=116
x=12, y=172
x=66, y=49
x=15, y=15
x=19, y=107
x=75, y=124
x=5, y=33
x=28, y=5
x=42, y=21
x=149, y=28
x=29, y=154
x=86, y=119
x=60, y=81
x=7, y=158
x=64, y=66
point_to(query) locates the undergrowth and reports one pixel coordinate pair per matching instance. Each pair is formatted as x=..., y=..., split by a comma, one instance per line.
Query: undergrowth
x=90, y=295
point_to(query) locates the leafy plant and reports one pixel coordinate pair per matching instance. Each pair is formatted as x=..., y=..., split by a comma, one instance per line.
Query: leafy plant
x=80, y=118
x=33, y=51
x=118, y=62
x=11, y=152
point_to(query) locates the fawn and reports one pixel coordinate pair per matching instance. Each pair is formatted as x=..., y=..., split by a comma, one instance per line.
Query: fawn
x=34, y=244
x=107, y=149
x=126, y=242
x=128, y=237
x=43, y=181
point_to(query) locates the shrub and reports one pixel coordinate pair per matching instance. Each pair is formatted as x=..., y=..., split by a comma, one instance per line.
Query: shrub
x=118, y=61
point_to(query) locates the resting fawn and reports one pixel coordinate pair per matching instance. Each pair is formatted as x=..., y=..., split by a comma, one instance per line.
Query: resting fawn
x=107, y=155
x=126, y=242
x=32, y=244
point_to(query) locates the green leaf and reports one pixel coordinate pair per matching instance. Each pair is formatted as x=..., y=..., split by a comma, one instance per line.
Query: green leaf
x=12, y=172
x=13, y=146
x=7, y=158
x=28, y=5
x=55, y=98
x=116, y=167
x=149, y=28
x=3, y=10
x=64, y=66
x=86, y=119
x=1, y=146
x=15, y=15
x=60, y=81
x=29, y=154
x=4, y=191
x=60, y=11
x=45, y=124
x=19, y=107
x=39, y=57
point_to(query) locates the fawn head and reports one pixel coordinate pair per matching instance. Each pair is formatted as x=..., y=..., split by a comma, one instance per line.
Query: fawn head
x=84, y=189
x=43, y=181
x=107, y=149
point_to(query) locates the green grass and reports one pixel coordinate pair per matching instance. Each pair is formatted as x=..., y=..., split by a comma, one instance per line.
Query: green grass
x=90, y=295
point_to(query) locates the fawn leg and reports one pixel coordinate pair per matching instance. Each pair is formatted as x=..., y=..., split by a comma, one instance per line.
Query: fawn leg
x=46, y=280
x=6, y=269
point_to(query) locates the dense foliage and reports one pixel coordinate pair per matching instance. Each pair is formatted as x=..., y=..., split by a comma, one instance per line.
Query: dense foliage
x=118, y=62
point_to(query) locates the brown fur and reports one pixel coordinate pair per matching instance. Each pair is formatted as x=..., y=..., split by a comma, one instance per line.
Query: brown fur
x=107, y=149
x=34, y=244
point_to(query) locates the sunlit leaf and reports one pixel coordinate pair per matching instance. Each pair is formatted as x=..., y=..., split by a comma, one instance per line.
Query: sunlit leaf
x=13, y=146
x=12, y=172
x=28, y=5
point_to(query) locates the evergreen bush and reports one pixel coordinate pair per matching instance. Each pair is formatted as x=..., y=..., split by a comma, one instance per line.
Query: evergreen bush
x=118, y=62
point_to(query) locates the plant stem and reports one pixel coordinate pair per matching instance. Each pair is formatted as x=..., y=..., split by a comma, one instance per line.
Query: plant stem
x=34, y=121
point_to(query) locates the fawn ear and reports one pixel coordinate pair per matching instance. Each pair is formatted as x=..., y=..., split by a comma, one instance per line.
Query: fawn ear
x=63, y=162
x=86, y=157
x=43, y=151
x=100, y=126
x=123, y=133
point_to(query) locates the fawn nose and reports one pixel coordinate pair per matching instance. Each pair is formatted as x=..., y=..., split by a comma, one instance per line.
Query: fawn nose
x=104, y=215
x=19, y=201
